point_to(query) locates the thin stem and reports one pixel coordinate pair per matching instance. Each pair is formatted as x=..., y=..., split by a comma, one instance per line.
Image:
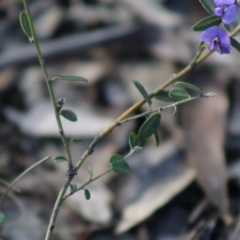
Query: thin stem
x=200, y=50
x=20, y=176
x=180, y=102
x=48, y=83
x=129, y=154
x=87, y=183
x=158, y=109
x=57, y=206
x=7, y=184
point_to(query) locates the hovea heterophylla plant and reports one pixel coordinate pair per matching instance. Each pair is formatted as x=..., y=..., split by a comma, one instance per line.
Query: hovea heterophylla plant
x=214, y=36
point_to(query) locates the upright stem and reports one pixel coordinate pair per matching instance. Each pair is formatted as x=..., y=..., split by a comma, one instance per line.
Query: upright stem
x=57, y=206
x=59, y=123
x=48, y=83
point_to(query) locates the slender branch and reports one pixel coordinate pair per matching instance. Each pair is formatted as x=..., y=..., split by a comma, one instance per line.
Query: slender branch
x=20, y=176
x=180, y=102
x=87, y=183
x=137, y=105
x=48, y=83
x=159, y=109
x=57, y=206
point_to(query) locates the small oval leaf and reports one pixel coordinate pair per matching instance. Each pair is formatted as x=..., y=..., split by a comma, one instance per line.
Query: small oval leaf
x=175, y=111
x=156, y=138
x=90, y=171
x=164, y=96
x=143, y=92
x=25, y=24
x=119, y=164
x=73, y=187
x=2, y=217
x=134, y=141
x=77, y=141
x=60, y=159
x=68, y=114
x=87, y=194
x=69, y=78
x=179, y=94
x=149, y=126
x=206, y=23
x=235, y=44
x=189, y=85
x=208, y=5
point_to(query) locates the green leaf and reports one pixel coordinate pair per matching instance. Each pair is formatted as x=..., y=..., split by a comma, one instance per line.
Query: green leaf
x=25, y=24
x=68, y=114
x=60, y=159
x=69, y=78
x=143, y=92
x=87, y=194
x=149, y=126
x=235, y=44
x=175, y=111
x=206, y=23
x=73, y=187
x=77, y=141
x=208, y=5
x=119, y=164
x=156, y=138
x=2, y=217
x=179, y=94
x=164, y=96
x=90, y=171
x=133, y=140
x=188, y=85
x=227, y=27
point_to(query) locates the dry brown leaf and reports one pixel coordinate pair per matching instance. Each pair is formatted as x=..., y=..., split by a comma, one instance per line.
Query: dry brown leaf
x=156, y=196
x=204, y=123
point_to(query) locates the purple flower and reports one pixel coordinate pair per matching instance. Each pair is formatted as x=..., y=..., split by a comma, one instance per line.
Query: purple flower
x=217, y=39
x=227, y=9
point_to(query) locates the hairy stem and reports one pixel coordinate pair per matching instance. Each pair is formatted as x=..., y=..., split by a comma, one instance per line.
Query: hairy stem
x=57, y=206
x=48, y=83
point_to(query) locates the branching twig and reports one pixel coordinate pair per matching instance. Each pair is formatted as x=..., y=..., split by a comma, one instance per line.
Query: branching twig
x=87, y=183
x=159, y=109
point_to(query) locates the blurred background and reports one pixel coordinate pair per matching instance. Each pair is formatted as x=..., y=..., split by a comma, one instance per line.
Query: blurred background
x=187, y=188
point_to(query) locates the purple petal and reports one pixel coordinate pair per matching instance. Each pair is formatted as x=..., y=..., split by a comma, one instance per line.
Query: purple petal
x=223, y=50
x=209, y=34
x=220, y=3
x=223, y=38
x=218, y=11
x=213, y=46
x=230, y=14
